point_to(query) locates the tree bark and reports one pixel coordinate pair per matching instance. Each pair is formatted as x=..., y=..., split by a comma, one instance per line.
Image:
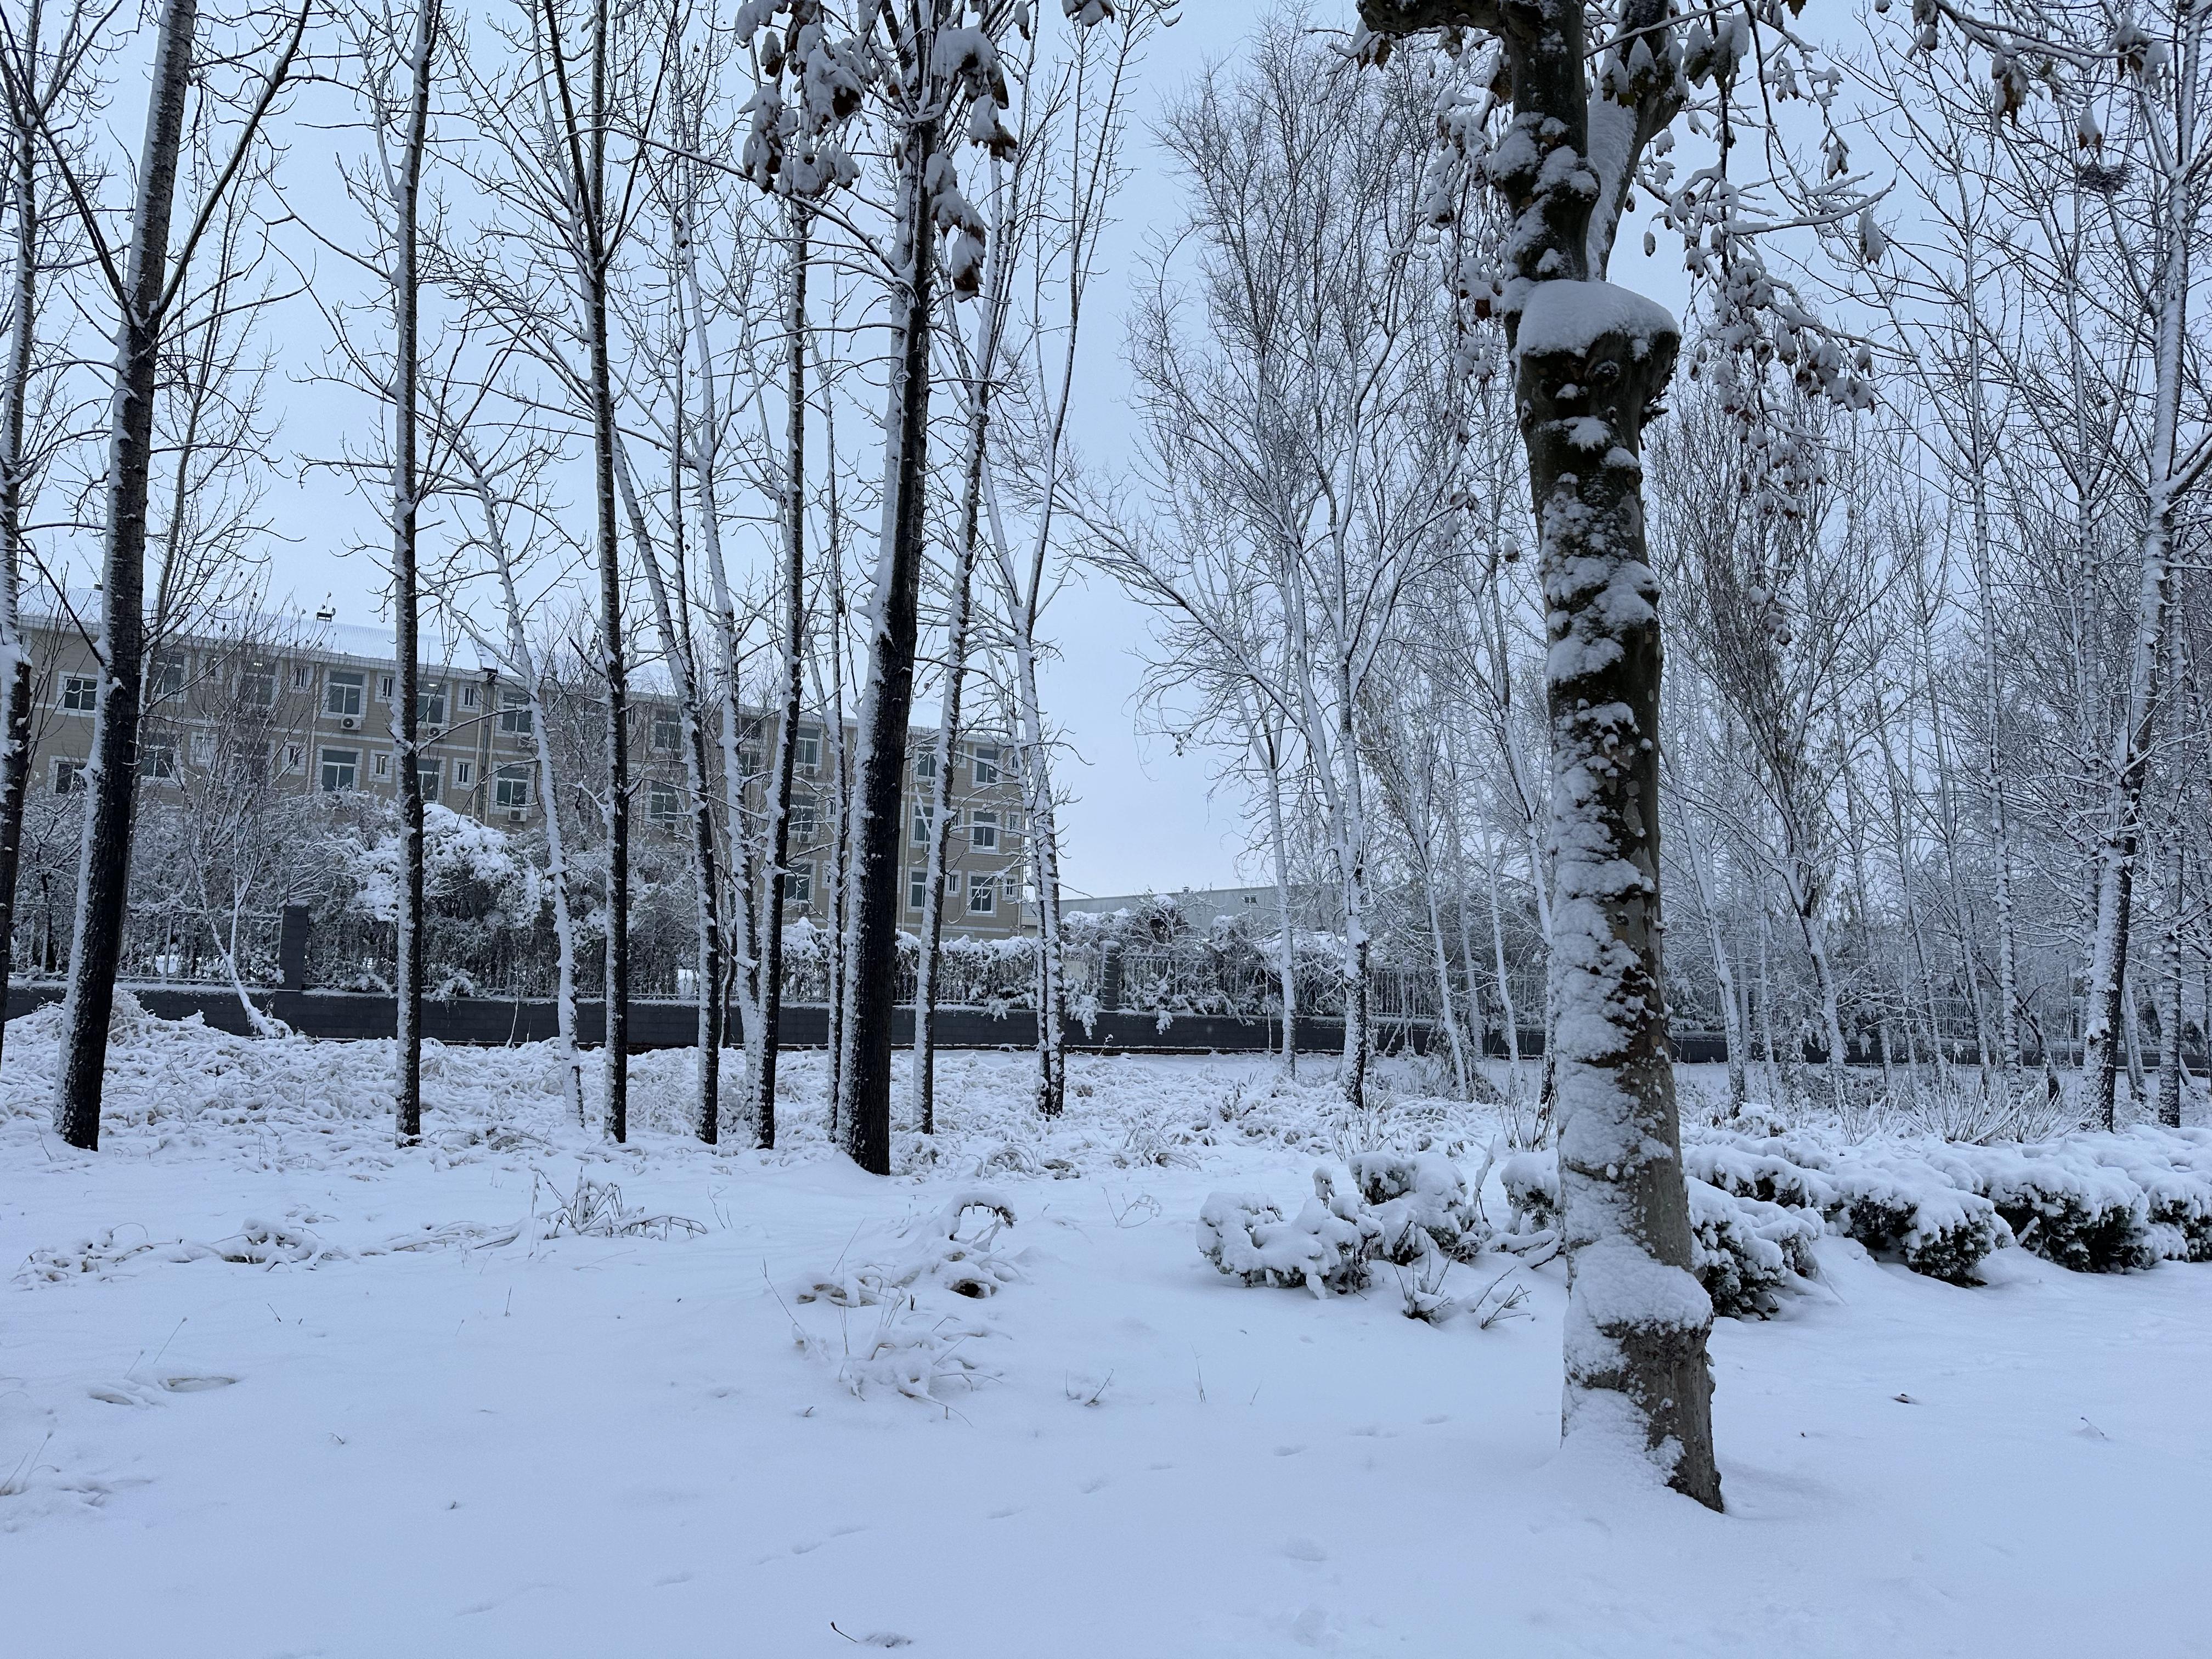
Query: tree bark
x=406, y=602
x=871, y=970
x=14, y=402
x=104, y=860
x=1591, y=358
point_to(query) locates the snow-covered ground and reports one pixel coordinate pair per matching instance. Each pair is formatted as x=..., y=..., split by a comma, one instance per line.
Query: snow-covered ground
x=386, y=1431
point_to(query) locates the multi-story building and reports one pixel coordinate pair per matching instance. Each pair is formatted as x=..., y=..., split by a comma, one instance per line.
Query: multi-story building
x=307, y=703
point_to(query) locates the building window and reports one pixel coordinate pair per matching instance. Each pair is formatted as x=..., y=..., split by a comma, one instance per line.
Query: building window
x=464, y=774
x=296, y=757
x=952, y=882
x=985, y=756
x=799, y=885
x=257, y=685
x=204, y=749
x=661, y=804
x=515, y=714
x=917, y=888
x=749, y=764
x=803, y=817
x=667, y=730
x=157, y=761
x=810, y=747
x=69, y=777
x=430, y=704
x=80, y=692
x=925, y=764
x=341, y=769
x=342, y=694
x=385, y=686
x=925, y=815
x=167, y=679
x=426, y=770
x=983, y=895
x=303, y=675
x=983, y=831
x=249, y=762
x=383, y=766
x=468, y=696
x=511, y=788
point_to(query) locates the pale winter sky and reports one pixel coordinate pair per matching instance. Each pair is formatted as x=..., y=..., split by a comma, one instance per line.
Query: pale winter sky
x=1143, y=817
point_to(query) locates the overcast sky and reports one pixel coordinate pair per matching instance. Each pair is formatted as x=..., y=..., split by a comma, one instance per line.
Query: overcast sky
x=1143, y=817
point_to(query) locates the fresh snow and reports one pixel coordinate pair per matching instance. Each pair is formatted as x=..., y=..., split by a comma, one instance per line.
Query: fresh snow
x=1567, y=318
x=272, y=1387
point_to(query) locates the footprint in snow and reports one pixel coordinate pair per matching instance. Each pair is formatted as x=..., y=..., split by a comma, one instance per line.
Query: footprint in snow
x=196, y=1384
x=1288, y=1451
x=1304, y=1549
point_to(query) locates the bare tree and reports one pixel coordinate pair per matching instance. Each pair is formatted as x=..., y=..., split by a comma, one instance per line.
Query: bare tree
x=143, y=279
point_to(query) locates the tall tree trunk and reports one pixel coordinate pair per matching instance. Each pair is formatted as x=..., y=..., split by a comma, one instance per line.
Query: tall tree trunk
x=2169, y=1000
x=406, y=602
x=698, y=773
x=14, y=402
x=103, y=857
x=939, y=826
x=873, y=834
x=769, y=950
x=585, y=135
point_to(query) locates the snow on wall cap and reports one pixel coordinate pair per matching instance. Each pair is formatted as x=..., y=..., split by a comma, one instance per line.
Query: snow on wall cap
x=1562, y=318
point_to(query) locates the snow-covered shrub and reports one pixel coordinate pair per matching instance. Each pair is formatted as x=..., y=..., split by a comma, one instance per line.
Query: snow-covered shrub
x=2176, y=1192
x=2067, y=1210
x=1744, y=1250
x=1327, y=1246
x=1531, y=1181
x=1751, y=1168
x=1422, y=1202
x=1932, y=1226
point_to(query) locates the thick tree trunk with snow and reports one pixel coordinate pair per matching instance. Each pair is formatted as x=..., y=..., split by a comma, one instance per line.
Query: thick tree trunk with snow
x=1593, y=359
x=103, y=857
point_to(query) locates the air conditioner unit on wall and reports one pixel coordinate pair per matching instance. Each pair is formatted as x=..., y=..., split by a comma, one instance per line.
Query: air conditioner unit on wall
x=349, y=723
x=515, y=815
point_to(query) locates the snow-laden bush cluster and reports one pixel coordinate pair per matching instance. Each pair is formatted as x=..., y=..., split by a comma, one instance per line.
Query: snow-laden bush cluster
x=1396, y=1208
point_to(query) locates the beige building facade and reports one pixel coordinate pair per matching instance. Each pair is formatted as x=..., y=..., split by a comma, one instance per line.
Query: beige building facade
x=307, y=704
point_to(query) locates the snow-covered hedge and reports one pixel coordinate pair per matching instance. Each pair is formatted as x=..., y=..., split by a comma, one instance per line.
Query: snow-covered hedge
x=1910, y=1210
x=2064, y=1207
x=1745, y=1251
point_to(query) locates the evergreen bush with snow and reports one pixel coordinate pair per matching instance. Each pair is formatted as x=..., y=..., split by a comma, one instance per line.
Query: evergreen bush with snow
x=1745, y=1252
x=1910, y=1210
x=2066, y=1209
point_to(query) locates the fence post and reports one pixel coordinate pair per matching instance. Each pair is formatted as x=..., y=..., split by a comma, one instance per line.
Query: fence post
x=292, y=948
x=1109, y=975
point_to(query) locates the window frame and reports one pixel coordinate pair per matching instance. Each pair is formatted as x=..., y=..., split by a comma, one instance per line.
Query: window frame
x=339, y=680
x=517, y=718
x=977, y=766
x=84, y=688
x=506, y=783
x=984, y=886
x=349, y=767
x=983, y=831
